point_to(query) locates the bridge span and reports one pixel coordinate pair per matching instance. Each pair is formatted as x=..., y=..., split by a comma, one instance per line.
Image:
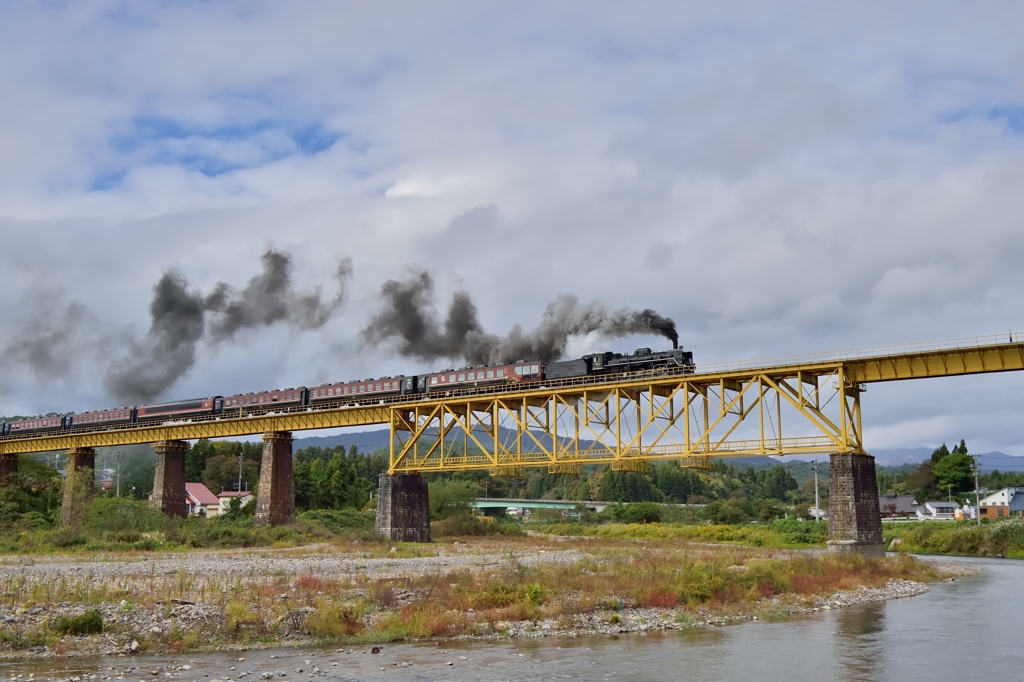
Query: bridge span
x=794, y=405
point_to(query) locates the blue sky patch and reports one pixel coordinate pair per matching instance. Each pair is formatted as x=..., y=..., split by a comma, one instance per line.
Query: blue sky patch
x=211, y=149
x=1013, y=115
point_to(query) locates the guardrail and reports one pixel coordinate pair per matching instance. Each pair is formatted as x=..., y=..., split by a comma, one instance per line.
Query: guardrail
x=869, y=352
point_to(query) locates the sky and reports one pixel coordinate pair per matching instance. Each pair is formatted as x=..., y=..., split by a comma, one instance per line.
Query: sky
x=778, y=178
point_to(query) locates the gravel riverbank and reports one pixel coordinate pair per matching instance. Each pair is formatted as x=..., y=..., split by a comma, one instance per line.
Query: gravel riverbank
x=164, y=608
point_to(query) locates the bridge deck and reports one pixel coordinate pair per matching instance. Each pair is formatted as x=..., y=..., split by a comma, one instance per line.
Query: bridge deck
x=705, y=408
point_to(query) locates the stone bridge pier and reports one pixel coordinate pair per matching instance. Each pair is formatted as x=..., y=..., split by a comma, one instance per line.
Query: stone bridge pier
x=8, y=465
x=854, y=522
x=403, y=508
x=169, y=478
x=275, y=499
x=77, y=484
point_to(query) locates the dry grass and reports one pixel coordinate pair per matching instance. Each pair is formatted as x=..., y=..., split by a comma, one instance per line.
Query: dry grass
x=609, y=576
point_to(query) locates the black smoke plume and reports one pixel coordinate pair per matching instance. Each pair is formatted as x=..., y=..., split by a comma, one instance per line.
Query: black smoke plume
x=269, y=298
x=408, y=316
x=50, y=343
x=179, y=323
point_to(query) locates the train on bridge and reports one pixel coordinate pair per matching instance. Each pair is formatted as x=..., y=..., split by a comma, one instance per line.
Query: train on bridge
x=445, y=382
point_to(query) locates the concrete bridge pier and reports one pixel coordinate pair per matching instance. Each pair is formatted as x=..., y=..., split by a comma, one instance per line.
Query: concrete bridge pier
x=854, y=523
x=275, y=499
x=8, y=465
x=403, y=508
x=169, y=478
x=81, y=465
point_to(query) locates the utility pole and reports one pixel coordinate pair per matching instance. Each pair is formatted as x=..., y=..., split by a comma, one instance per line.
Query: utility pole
x=817, y=509
x=118, y=456
x=977, y=499
x=241, y=456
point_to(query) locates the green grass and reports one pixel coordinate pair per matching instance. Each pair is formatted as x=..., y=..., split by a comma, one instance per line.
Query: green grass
x=126, y=525
x=964, y=538
x=786, y=533
x=85, y=624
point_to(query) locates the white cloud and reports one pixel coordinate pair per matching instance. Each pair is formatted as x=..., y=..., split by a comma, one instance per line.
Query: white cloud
x=779, y=179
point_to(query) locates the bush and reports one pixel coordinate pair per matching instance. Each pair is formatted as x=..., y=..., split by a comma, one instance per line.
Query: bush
x=332, y=620
x=338, y=520
x=965, y=538
x=467, y=524
x=782, y=533
x=66, y=537
x=123, y=515
x=636, y=512
x=86, y=624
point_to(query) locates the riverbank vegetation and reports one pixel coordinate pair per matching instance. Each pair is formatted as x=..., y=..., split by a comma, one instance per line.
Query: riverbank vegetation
x=964, y=538
x=528, y=581
x=784, y=533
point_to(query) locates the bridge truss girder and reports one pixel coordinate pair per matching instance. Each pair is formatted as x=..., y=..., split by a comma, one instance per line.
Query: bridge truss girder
x=688, y=419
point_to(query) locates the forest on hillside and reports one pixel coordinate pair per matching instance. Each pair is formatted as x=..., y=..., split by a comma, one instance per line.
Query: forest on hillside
x=340, y=477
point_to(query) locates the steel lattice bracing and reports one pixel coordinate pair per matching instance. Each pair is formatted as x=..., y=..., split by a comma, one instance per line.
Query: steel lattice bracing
x=796, y=405
x=687, y=418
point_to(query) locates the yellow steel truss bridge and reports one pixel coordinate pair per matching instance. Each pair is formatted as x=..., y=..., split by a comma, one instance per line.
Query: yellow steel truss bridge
x=793, y=405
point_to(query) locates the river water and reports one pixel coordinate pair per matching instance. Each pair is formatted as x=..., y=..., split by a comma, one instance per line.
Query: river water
x=963, y=630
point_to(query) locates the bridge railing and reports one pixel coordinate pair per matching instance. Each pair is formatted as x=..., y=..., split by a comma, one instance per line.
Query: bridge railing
x=870, y=352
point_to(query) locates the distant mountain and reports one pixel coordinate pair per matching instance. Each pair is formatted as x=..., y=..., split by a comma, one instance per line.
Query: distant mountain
x=897, y=456
x=888, y=461
x=991, y=461
x=366, y=441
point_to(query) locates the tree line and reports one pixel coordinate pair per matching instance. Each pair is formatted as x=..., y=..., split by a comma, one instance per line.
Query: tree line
x=947, y=473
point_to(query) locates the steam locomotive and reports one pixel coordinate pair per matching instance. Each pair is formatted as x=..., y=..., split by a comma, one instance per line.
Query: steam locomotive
x=350, y=392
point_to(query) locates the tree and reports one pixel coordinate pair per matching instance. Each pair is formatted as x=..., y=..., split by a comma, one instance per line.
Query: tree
x=922, y=483
x=676, y=483
x=777, y=482
x=940, y=453
x=196, y=457
x=221, y=473
x=448, y=498
x=725, y=512
x=955, y=472
x=627, y=486
x=637, y=512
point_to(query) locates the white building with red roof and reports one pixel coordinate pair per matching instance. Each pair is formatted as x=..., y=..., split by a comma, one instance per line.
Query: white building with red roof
x=225, y=498
x=200, y=500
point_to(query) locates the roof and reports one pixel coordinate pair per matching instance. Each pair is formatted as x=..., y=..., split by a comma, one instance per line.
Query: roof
x=942, y=503
x=200, y=493
x=1001, y=497
x=905, y=504
x=234, y=493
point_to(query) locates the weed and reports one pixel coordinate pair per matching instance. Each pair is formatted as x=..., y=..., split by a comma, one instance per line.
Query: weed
x=333, y=620
x=84, y=624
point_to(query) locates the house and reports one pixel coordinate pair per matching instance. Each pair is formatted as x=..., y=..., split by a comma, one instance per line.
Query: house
x=1002, y=503
x=226, y=497
x=892, y=505
x=200, y=500
x=105, y=478
x=937, y=511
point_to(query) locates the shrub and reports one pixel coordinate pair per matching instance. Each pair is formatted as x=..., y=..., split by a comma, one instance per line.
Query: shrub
x=332, y=620
x=338, y=520
x=85, y=624
x=66, y=537
x=123, y=515
x=238, y=615
x=636, y=512
x=466, y=524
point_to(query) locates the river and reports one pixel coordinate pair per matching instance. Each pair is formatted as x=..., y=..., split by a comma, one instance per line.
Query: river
x=962, y=630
